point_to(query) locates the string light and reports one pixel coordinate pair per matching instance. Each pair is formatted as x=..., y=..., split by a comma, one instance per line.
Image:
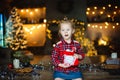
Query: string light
x=106, y=27
x=113, y=27
x=93, y=12
x=22, y=10
x=36, y=10
x=101, y=27
x=109, y=5
x=95, y=7
x=103, y=15
x=101, y=12
x=114, y=12
x=104, y=8
x=108, y=15
x=116, y=7
x=88, y=25
x=88, y=9
x=27, y=10
x=32, y=15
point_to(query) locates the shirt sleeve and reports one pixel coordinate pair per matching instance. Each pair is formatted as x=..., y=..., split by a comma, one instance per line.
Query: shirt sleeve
x=80, y=51
x=55, y=55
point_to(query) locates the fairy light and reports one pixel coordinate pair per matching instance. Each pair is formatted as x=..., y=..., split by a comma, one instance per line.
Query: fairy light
x=31, y=13
x=103, y=7
x=95, y=7
x=93, y=26
x=113, y=27
x=101, y=12
x=114, y=12
x=31, y=32
x=93, y=12
x=87, y=13
x=45, y=20
x=36, y=10
x=101, y=27
x=22, y=10
x=39, y=26
x=27, y=10
x=117, y=24
x=116, y=7
x=88, y=25
x=108, y=15
x=109, y=5
x=88, y=9
x=106, y=23
x=106, y=27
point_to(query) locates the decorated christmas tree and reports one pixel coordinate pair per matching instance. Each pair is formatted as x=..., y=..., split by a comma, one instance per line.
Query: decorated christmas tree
x=15, y=37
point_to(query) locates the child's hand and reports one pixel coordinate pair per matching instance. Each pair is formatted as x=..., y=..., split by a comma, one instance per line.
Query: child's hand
x=64, y=65
x=77, y=56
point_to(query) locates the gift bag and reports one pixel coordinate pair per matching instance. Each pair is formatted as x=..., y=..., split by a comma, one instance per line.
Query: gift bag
x=69, y=58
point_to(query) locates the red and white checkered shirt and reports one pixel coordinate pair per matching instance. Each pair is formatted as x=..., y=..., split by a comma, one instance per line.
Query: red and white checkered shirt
x=58, y=58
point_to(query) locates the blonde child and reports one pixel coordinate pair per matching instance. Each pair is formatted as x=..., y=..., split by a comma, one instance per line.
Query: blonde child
x=62, y=70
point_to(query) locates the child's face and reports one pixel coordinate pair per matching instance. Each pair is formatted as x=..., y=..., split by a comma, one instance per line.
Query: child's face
x=66, y=31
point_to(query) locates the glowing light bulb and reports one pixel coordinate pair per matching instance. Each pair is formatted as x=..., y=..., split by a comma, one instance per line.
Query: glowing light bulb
x=113, y=27
x=87, y=13
x=36, y=10
x=109, y=5
x=116, y=7
x=88, y=25
x=22, y=10
x=101, y=12
x=117, y=24
x=44, y=20
x=114, y=12
x=103, y=7
x=93, y=12
x=27, y=10
x=31, y=13
x=95, y=7
x=88, y=9
x=106, y=27
x=101, y=27
x=108, y=15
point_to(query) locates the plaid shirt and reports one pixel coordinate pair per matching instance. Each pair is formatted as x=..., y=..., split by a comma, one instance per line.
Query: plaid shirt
x=58, y=58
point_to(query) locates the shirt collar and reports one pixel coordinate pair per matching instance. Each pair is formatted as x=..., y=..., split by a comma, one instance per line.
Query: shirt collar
x=64, y=42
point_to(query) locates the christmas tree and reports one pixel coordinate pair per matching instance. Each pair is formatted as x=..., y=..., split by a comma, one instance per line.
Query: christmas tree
x=86, y=44
x=15, y=37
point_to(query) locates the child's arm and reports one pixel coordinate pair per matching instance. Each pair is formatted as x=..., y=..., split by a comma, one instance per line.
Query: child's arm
x=55, y=56
x=64, y=65
x=79, y=52
x=78, y=56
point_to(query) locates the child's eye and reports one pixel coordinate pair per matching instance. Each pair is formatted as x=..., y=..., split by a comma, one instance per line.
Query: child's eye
x=68, y=29
x=62, y=30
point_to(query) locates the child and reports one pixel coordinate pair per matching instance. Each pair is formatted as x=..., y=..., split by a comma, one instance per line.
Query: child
x=66, y=53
